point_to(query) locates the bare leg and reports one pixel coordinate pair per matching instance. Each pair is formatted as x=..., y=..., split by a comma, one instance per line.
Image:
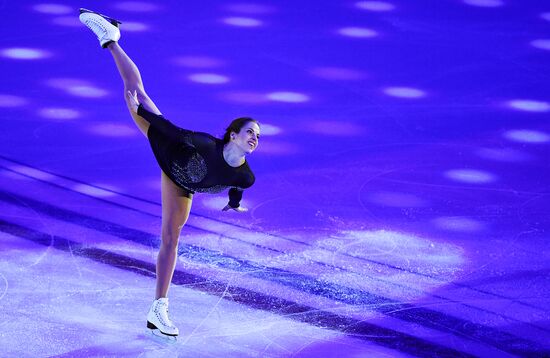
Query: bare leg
x=175, y=211
x=132, y=82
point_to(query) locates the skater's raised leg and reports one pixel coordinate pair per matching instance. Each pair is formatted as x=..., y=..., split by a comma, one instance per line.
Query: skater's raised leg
x=132, y=82
x=107, y=31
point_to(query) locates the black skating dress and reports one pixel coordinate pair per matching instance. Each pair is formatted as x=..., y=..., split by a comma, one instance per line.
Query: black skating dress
x=194, y=160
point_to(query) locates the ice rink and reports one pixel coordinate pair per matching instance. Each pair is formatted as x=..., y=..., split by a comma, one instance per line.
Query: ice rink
x=401, y=204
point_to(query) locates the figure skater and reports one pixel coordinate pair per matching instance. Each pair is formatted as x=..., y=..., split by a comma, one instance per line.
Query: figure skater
x=190, y=162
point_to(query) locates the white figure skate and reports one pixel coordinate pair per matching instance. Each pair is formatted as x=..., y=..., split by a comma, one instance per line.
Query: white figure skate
x=104, y=27
x=158, y=321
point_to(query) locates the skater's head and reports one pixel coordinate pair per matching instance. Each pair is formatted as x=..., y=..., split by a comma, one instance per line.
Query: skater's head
x=244, y=132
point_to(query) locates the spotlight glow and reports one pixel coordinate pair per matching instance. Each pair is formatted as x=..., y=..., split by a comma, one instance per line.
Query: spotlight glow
x=545, y=16
x=359, y=32
x=242, y=21
x=269, y=130
x=374, y=5
x=543, y=44
x=470, y=176
x=404, y=92
x=484, y=3
x=93, y=191
x=77, y=87
x=530, y=106
x=527, y=136
x=460, y=224
x=9, y=101
x=135, y=26
x=25, y=53
x=59, y=113
x=269, y=147
x=198, y=61
x=208, y=78
x=290, y=97
x=54, y=9
x=114, y=130
x=87, y=91
x=33, y=173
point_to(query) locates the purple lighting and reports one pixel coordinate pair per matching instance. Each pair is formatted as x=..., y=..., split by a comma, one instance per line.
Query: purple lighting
x=460, y=224
x=198, y=61
x=96, y=191
x=55, y=9
x=374, y=5
x=114, y=130
x=484, y=3
x=359, y=32
x=59, y=113
x=503, y=154
x=135, y=26
x=19, y=53
x=338, y=73
x=8, y=101
x=290, y=97
x=137, y=6
x=250, y=8
x=404, y=92
x=398, y=200
x=242, y=21
x=397, y=190
x=208, y=78
x=543, y=44
x=470, y=176
x=530, y=105
x=527, y=136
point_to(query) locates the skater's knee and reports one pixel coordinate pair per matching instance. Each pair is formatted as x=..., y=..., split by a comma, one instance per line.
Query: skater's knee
x=170, y=238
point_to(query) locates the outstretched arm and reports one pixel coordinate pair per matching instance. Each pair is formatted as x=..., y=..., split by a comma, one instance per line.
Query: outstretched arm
x=154, y=119
x=235, y=196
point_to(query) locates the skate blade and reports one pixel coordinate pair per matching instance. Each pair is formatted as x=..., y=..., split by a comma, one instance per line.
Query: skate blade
x=160, y=337
x=110, y=19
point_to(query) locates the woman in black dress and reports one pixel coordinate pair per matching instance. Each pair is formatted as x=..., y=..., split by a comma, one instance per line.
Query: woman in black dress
x=190, y=162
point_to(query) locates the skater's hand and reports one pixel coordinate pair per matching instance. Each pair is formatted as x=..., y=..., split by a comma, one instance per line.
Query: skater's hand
x=238, y=209
x=133, y=101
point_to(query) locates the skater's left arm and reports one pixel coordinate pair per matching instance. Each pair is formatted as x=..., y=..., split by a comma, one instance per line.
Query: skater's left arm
x=235, y=196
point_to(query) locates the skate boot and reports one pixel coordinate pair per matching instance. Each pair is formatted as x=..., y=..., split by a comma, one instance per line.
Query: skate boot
x=158, y=321
x=104, y=27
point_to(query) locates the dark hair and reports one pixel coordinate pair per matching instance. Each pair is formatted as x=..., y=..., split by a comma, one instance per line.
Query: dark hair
x=236, y=127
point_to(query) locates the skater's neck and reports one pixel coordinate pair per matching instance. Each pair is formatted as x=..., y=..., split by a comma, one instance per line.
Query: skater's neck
x=233, y=155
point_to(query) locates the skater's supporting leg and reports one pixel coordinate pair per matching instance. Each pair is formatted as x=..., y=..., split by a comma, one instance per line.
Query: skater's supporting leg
x=132, y=82
x=175, y=210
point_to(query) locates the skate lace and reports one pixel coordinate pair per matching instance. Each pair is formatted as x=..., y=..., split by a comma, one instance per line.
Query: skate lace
x=96, y=27
x=162, y=314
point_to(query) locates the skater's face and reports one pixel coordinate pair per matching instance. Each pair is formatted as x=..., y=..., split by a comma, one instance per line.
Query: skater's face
x=248, y=137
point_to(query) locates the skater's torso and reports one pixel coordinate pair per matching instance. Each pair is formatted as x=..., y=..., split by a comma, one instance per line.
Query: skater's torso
x=194, y=160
